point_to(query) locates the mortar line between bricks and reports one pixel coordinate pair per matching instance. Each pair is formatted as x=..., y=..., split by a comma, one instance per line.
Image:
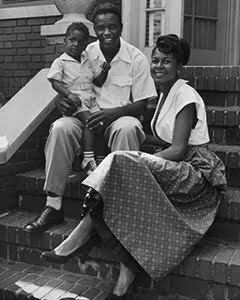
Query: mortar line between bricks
x=212, y=266
x=228, y=276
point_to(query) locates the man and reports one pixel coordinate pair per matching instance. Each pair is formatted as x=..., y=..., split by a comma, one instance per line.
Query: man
x=122, y=99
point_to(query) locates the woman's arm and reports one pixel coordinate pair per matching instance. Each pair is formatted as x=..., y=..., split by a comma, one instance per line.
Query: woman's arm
x=152, y=140
x=181, y=133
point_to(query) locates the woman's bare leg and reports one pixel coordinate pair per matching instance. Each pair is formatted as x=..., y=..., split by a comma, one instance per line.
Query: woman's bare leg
x=125, y=278
x=80, y=234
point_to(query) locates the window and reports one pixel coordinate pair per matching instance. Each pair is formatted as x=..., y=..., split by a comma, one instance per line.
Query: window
x=200, y=23
x=155, y=14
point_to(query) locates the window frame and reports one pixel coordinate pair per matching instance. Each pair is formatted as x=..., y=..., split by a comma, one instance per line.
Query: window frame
x=193, y=17
x=149, y=36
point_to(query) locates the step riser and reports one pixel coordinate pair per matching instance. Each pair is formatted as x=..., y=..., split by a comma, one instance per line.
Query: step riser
x=221, y=99
x=233, y=176
x=176, y=283
x=201, y=289
x=92, y=266
x=72, y=207
x=34, y=186
x=222, y=229
x=212, y=269
x=224, y=135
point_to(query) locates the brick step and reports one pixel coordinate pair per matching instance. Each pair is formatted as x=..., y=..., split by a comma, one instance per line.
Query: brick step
x=25, y=281
x=22, y=281
x=33, y=182
x=211, y=271
x=230, y=155
x=220, y=98
x=223, y=116
x=229, y=208
x=225, y=229
x=223, y=124
x=33, y=198
x=19, y=245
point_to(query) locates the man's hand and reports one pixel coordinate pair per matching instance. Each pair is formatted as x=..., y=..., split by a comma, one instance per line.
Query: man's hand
x=101, y=119
x=75, y=99
x=65, y=105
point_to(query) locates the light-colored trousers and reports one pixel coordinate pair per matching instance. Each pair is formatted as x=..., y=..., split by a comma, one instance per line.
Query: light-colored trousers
x=64, y=143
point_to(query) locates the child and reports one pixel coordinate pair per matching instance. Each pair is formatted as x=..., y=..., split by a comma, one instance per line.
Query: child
x=72, y=76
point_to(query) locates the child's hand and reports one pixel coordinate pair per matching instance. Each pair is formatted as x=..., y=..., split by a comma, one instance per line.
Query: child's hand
x=75, y=99
x=105, y=66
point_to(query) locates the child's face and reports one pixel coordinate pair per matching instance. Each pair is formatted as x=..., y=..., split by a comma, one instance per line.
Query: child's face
x=75, y=43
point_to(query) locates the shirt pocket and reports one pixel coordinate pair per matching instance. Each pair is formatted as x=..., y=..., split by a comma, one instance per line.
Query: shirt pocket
x=122, y=81
x=121, y=87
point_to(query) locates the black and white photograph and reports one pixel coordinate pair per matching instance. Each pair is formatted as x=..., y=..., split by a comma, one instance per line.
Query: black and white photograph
x=119, y=149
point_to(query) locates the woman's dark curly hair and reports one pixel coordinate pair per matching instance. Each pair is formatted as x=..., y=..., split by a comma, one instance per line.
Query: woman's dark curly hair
x=171, y=43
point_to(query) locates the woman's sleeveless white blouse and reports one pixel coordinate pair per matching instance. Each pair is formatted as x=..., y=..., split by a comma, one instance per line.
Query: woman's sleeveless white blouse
x=180, y=95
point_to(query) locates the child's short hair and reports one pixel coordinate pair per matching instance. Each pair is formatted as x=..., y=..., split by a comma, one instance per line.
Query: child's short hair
x=105, y=8
x=77, y=26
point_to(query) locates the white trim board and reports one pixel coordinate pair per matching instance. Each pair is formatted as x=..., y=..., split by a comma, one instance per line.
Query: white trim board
x=28, y=12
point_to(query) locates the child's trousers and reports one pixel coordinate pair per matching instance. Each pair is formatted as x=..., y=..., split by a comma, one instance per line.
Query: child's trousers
x=64, y=143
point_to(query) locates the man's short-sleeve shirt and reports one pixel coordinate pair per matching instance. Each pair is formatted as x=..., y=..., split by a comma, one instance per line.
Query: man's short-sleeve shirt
x=129, y=79
x=76, y=77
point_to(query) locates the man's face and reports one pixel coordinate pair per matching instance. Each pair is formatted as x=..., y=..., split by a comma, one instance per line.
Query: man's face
x=108, y=30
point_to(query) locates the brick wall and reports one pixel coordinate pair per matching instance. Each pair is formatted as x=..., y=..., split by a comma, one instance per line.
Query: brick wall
x=23, y=51
x=28, y=157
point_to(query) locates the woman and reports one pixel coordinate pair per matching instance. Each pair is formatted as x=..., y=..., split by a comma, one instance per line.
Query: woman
x=154, y=208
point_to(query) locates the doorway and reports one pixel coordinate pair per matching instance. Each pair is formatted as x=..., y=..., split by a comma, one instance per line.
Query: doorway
x=205, y=29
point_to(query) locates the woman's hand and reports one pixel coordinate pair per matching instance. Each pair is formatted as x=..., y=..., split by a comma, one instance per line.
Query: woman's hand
x=65, y=105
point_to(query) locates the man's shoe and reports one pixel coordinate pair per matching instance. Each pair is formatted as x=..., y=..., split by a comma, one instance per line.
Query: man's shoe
x=49, y=217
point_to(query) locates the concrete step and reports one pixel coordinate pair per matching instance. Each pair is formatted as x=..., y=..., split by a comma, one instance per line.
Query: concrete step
x=211, y=271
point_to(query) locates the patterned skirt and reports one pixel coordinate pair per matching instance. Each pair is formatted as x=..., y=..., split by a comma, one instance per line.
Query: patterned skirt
x=159, y=209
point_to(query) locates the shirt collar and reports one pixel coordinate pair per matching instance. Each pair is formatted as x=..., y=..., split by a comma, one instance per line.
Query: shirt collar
x=122, y=54
x=67, y=57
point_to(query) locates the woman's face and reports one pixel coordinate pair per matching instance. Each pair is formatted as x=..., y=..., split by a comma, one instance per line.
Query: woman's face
x=164, y=67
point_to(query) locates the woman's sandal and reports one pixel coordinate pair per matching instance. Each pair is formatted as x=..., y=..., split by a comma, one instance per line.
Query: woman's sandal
x=52, y=257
